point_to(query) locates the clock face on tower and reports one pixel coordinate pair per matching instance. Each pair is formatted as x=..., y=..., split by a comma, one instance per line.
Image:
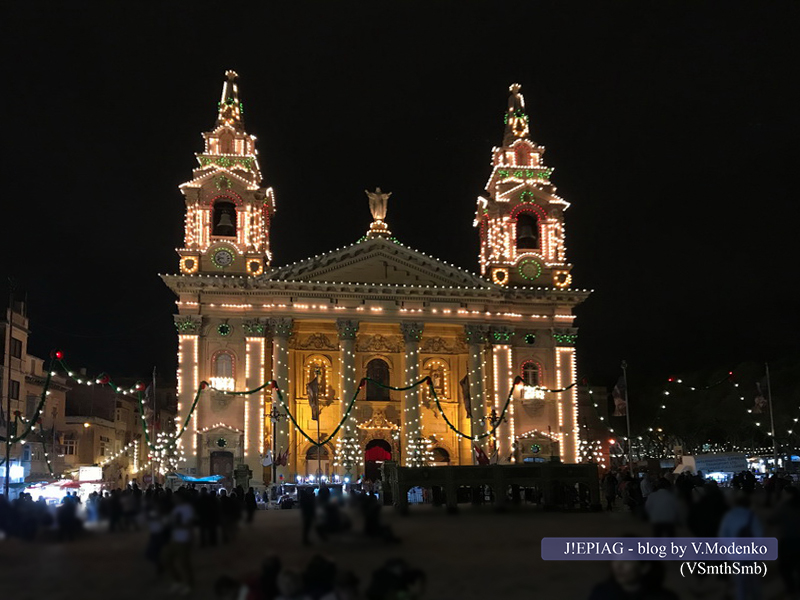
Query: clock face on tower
x=222, y=258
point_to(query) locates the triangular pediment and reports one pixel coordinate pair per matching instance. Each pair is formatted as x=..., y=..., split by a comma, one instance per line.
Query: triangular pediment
x=379, y=261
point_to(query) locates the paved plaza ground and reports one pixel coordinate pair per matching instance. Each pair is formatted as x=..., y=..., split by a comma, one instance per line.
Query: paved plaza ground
x=475, y=554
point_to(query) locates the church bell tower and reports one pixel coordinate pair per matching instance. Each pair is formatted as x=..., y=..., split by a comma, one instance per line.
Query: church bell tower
x=520, y=217
x=228, y=213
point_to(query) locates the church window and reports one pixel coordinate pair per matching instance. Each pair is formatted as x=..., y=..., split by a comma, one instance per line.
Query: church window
x=377, y=371
x=226, y=143
x=527, y=232
x=522, y=156
x=224, y=218
x=531, y=373
x=223, y=371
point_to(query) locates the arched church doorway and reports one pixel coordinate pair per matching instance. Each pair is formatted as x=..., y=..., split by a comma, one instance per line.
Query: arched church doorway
x=376, y=453
x=441, y=457
x=318, y=458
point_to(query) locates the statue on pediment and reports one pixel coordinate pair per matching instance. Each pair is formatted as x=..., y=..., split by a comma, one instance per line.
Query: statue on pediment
x=378, y=202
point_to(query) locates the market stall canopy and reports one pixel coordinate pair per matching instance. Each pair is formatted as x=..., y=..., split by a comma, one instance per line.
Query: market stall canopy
x=190, y=479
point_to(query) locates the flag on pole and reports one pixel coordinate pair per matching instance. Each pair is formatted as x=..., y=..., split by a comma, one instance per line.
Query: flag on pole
x=312, y=389
x=760, y=405
x=266, y=459
x=480, y=455
x=283, y=459
x=467, y=398
x=620, y=404
x=495, y=458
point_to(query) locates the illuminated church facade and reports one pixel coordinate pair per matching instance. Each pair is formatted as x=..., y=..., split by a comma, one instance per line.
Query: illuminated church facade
x=376, y=309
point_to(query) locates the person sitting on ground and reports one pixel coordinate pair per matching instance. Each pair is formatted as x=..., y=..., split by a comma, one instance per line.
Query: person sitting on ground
x=396, y=580
x=290, y=586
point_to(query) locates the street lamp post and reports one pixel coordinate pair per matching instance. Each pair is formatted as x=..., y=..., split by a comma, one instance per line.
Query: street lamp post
x=493, y=420
x=274, y=416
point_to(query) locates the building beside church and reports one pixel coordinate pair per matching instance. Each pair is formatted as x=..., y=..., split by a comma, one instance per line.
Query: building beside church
x=375, y=309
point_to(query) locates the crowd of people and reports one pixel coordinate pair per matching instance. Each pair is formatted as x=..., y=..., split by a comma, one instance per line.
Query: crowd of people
x=742, y=509
x=322, y=579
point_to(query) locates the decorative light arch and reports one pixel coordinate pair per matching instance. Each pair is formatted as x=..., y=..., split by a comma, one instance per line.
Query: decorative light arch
x=228, y=196
x=528, y=366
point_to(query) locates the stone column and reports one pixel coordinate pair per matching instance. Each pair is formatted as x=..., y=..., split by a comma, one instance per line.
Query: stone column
x=567, y=402
x=412, y=415
x=188, y=327
x=281, y=330
x=347, y=448
x=255, y=372
x=476, y=342
x=503, y=375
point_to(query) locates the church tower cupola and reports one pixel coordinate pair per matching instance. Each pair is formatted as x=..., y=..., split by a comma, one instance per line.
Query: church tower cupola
x=520, y=218
x=228, y=212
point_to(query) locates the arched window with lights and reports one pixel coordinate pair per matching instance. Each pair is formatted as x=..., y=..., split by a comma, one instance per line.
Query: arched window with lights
x=377, y=370
x=531, y=373
x=223, y=221
x=527, y=231
x=222, y=368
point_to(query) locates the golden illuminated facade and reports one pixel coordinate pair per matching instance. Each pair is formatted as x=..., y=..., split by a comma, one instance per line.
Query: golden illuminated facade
x=376, y=309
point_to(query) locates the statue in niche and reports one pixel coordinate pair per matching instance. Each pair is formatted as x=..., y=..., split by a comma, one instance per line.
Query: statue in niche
x=378, y=202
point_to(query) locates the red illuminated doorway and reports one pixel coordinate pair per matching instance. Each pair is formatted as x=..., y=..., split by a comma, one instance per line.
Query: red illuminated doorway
x=375, y=454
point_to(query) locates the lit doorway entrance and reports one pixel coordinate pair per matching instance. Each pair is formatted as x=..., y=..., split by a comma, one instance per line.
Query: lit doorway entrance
x=375, y=454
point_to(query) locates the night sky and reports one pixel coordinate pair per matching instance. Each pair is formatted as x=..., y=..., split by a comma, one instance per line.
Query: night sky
x=672, y=131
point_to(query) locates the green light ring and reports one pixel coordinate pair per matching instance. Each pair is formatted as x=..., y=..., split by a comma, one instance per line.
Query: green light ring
x=527, y=261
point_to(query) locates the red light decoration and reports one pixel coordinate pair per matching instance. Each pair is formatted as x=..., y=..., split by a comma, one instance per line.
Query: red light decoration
x=104, y=379
x=203, y=385
x=57, y=354
x=139, y=386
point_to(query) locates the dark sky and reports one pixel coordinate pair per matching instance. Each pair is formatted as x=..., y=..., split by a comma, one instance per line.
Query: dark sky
x=672, y=128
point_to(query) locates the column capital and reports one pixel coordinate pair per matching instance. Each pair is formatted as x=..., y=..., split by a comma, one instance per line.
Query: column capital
x=412, y=332
x=347, y=329
x=566, y=336
x=281, y=326
x=501, y=334
x=256, y=327
x=477, y=333
x=188, y=324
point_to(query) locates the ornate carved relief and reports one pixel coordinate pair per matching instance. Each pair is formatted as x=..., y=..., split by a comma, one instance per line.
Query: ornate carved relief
x=379, y=343
x=315, y=341
x=440, y=345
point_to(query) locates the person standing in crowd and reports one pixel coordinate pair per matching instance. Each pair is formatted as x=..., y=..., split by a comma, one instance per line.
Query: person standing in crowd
x=787, y=518
x=610, y=489
x=250, y=504
x=663, y=510
x=154, y=513
x=646, y=486
x=741, y=522
x=308, y=507
x=177, y=555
